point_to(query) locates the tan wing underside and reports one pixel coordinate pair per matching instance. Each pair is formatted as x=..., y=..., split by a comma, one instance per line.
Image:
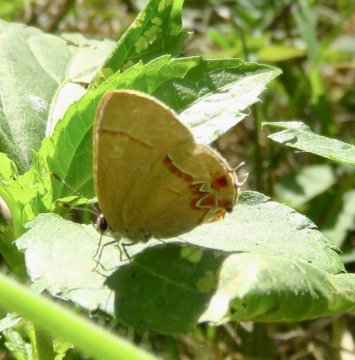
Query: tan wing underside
x=165, y=205
x=131, y=133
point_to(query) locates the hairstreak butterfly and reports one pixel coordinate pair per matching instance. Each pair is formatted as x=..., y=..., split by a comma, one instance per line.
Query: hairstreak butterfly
x=151, y=178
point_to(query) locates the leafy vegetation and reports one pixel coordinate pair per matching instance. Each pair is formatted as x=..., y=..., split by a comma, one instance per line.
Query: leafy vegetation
x=274, y=279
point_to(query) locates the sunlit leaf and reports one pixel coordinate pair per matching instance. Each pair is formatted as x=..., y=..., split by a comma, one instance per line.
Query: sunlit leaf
x=155, y=32
x=264, y=262
x=299, y=136
x=41, y=75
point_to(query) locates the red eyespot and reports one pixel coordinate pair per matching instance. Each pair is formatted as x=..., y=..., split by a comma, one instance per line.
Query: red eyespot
x=208, y=201
x=220, y=182
x=193, y=204
x=195, y=189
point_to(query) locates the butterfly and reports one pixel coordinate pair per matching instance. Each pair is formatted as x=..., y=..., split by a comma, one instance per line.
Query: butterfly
x=151, y=178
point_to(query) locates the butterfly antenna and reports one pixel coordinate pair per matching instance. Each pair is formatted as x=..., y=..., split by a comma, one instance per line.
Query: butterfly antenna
x=235, y=169
x=92, y=208
x=69, y=186
x=240, y=165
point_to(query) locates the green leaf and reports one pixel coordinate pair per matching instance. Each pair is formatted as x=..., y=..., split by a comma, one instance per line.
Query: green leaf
x=18, y=199
x=8, y=169
x=275, y=288
x=215, y=113
x=151, y=294
x=155, y=32
x=9, y=321
x=298, y=188
x=41, y=75
x=264, y=262
x=10, y=210
x=69, y=152
x=267, y=227
x=66, y=267
x=299, y=136
x=27, y=195
x=220, y=287
x=20, y=340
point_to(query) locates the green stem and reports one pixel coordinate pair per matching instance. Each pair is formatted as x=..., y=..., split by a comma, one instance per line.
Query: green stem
x=55, y=319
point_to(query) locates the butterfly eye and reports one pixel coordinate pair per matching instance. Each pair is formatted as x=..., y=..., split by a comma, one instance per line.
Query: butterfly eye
x=102, y=224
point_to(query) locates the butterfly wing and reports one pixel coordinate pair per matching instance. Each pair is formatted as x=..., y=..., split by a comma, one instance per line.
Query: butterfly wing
x=132, y=132
x=188, y=186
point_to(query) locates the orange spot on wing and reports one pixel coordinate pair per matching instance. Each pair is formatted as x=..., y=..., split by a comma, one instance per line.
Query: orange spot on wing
x=195, y=189
x=168, y=163
x=207, y=201
x=195, y=207
x=193, y=204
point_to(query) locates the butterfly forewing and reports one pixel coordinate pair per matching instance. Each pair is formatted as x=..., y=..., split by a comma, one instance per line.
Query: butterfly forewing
x=131, y=133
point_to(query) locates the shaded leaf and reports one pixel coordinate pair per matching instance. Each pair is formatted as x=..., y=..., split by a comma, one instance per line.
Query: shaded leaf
x=151, y=294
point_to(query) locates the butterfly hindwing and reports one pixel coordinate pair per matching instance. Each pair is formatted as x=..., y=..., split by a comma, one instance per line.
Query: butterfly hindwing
x=185, y=192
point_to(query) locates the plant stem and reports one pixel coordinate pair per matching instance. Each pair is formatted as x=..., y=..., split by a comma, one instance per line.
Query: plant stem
x=55, y=319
